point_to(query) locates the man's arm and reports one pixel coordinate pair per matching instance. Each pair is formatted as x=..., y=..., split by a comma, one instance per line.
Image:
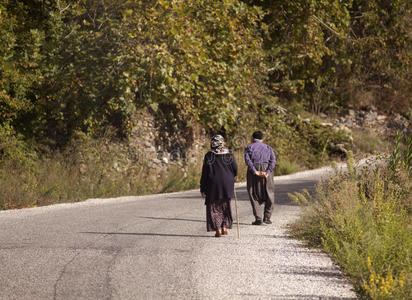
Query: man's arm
x=248, y=160
x=272, y=162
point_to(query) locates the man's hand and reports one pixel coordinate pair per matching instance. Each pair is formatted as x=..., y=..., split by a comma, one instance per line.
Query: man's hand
x=203, y=195
x=261, y=174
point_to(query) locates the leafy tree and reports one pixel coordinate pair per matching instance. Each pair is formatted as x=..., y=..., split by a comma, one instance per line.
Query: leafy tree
x=382, y=52
x=202, y=57
x=20, y=55
x=86, y=87
x=86, y=65
x=70, y=66
x=323, y=52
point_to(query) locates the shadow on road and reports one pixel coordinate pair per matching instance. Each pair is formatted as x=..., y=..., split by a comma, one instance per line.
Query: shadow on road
x=281, y=191
x=172, y=219
x=309, y=271
x=180, y=219
x=148, y=234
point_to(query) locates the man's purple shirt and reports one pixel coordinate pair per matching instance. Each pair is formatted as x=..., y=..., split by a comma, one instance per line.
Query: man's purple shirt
x=260, y=153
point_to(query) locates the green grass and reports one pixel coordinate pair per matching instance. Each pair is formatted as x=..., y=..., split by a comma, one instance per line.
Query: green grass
x=363, y=220
x=90, y=169
x=285, y=167
x=54, y=182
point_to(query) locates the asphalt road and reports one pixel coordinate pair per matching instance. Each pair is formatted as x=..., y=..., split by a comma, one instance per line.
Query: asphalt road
x=157, y=247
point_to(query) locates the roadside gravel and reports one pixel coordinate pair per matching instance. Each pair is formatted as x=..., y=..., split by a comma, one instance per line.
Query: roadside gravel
x=266, y=263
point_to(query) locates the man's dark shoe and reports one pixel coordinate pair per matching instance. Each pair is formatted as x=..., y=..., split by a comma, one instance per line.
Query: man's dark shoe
x=267, y=221
x=257, y=222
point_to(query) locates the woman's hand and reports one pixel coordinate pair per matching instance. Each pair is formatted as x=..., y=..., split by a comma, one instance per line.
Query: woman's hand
x=203, y=195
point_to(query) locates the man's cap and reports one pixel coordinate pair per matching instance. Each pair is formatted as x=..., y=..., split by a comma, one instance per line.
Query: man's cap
x=258, y=135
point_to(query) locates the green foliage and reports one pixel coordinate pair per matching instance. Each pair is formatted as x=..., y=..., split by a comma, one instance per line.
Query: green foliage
x=327, y=54
x=294, y=139
x=14, y=151
x=202, y=57
x=285, y=167
x=70, y=66
x=351, y=166
x=86, y=83
x=85, y=65
x=303, y=198
x=363, y=220
x=306, y=50
x=381, y=53
x=20, y=47
x=401, y=159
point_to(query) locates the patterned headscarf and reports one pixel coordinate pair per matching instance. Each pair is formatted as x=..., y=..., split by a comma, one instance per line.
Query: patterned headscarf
x=217, y=144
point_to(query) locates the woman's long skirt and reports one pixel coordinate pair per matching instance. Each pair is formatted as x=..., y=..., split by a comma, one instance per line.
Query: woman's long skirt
x=218, y=215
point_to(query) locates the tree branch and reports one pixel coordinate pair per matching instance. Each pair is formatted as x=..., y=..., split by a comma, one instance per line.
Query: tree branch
x=332, y=30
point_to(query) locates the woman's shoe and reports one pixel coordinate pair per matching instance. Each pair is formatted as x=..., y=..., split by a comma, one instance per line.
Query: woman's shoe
x=218, y=233
x=224, y=231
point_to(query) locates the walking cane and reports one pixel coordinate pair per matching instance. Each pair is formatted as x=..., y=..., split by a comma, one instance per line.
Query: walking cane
x=237, y=213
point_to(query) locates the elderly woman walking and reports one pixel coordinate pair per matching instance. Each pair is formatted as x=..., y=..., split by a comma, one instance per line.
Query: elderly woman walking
x=217, y=186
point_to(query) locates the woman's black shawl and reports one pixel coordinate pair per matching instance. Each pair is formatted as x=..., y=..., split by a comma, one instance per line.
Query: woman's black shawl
x=218, y=173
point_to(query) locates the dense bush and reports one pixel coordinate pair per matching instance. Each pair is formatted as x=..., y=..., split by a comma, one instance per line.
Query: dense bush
x=13, y=149
x=306, y=141
x=363, y=219
x=85, y=65
x=329, y=54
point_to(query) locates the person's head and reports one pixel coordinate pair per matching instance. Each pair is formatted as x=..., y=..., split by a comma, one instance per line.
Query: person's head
x=217, y=142
x=257, y=135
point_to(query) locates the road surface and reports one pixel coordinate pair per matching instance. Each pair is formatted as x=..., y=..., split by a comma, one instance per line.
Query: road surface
x=157, y=247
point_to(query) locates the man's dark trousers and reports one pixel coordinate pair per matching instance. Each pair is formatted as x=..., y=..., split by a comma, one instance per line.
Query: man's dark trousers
x=261, y=190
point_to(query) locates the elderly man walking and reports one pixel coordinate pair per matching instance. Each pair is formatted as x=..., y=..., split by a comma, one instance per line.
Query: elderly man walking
x=261, y=161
